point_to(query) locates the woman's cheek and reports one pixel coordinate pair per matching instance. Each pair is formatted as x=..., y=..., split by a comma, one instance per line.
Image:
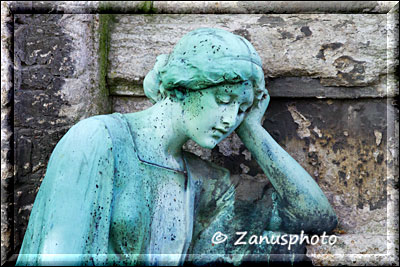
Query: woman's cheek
x=212, y=116
x=240, y=118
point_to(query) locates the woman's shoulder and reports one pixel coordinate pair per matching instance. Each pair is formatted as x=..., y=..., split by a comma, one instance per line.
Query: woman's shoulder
x=94, y=123
x=97, y=126
x=89, y=134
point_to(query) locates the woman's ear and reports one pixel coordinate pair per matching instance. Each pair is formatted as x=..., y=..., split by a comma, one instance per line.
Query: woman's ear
x=180, y=94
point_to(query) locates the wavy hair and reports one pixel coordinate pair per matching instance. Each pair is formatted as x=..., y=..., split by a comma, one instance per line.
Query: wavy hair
x=203, y=58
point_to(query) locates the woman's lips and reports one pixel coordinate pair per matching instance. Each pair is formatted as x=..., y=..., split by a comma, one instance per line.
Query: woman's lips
x=220, y=130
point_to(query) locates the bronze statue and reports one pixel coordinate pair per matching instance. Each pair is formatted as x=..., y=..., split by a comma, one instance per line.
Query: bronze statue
x=120, y=190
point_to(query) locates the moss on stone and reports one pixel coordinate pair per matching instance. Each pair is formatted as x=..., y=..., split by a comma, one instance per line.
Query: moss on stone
x=146, y=7
x=138, y=7
x=105, y=21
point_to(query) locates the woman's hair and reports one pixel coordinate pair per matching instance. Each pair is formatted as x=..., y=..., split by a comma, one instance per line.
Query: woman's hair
x=203, y=58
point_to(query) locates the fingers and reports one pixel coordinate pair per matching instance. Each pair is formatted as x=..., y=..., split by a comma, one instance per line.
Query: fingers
x=268, y=99
x=262, y=94
x=264, y=101
x=266, y=91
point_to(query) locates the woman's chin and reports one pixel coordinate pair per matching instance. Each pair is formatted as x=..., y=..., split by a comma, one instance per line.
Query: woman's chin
x=208, y=143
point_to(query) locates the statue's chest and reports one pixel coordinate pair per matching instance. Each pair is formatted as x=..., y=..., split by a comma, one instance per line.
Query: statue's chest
x=152, y=214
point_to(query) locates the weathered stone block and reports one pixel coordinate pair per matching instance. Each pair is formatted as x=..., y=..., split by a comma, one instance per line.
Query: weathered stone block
x=7, y=169
x=130, y=104
x=56, y=84
x=347, y=50
x=202, y=7
x=356, y=250
x=277, y=7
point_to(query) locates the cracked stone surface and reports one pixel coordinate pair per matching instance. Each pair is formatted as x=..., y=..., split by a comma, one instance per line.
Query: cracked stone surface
x=347, y=50
x=56, y=85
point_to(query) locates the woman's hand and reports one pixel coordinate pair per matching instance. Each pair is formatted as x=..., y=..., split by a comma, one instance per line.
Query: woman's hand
x=304, y=205
x=254, y=116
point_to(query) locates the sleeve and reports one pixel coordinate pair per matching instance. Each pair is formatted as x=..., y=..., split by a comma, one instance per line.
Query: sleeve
x=218, y=210
x=215, y=212
x=71, y=213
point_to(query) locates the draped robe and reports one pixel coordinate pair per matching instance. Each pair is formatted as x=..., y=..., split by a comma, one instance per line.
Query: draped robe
x=70, y=220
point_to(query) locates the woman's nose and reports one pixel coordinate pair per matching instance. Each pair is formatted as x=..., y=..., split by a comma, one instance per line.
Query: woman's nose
x=230, y=115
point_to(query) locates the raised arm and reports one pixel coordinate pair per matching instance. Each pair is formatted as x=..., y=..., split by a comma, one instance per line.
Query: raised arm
x=303, y=204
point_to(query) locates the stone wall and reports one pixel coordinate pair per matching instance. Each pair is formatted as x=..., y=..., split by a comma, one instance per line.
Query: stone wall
x=55, y=83
x=331, y=78
x=55, y=86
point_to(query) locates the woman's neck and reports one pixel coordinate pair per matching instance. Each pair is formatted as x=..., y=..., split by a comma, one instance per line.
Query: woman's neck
x=159, y=135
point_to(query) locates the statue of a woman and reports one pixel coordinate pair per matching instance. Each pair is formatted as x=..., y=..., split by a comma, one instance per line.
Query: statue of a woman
x=119, y=189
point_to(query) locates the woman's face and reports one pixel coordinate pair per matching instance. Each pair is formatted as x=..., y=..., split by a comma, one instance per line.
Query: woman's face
x=211, y=114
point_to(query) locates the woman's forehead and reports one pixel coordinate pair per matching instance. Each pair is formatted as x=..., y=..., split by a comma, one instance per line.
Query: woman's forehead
x=242, y=89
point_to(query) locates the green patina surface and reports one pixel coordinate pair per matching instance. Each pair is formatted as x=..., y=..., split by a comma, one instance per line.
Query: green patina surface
x=120, y=191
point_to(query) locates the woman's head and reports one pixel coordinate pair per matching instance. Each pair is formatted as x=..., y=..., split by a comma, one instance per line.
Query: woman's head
x=203, y=58
x=216, y=77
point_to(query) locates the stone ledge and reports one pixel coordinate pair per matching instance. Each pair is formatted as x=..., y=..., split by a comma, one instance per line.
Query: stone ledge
x=284, y=87
x=203, y=7
x=273, y=7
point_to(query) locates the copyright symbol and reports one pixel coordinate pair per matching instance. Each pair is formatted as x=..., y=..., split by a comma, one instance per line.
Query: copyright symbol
x=219, y=238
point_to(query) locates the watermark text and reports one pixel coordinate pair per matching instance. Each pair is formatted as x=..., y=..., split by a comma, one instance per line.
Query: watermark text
x=271, y=238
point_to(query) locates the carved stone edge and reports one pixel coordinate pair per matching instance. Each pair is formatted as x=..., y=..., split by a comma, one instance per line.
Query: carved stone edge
x=203, y=7
x=289, y=87
x=7, y=169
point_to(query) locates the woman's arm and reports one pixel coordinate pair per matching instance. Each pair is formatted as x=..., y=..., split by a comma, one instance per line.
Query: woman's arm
x=65, y=225
x=305, y=205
